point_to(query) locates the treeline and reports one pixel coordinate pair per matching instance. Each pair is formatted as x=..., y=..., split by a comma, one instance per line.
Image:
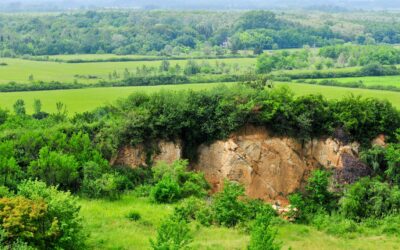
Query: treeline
x=339, y=56
x=131, y=59
x=372, y=69
x=156, y=32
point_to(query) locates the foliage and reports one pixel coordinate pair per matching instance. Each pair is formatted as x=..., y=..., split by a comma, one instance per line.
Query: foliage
x=370, y=198
x=63, y=208
x=173, y=234
x=19, y=107
x=134, y=216
x=174, y=182
x=316, y=198
x=262, y=236
x=167, y=190
x=25, y=219
x=228, y=209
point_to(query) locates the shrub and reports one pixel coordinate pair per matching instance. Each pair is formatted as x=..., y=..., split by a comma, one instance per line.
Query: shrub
x=227, y=207
x=62, y=209
x=3, y=116
x=143, y=190
x=56, y=169
x=316, y=199
x=173, y=234
x=187, y=210
x=134, y=216
x=370, y=198
x=174, y=182
x=27, y=220
x=262, y=235
x=167, y=190
x=108, y=185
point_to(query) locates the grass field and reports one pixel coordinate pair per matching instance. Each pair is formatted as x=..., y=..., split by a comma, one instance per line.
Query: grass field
x=110, y=229
x=80, y=100
x=19, y=70
x=372, y=80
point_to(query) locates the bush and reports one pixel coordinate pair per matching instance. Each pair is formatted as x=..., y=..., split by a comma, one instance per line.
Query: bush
x=262, y=236
x=26, y=220
x=187, y=210
x=173, y=234
x=56, y=169
x=370, y=198
x=227, y=207
x=134, y=216
x=108, y=185
x=167, y=190
x=316, y=199
x=3, y=116
x=174, y=182
x=62, y=212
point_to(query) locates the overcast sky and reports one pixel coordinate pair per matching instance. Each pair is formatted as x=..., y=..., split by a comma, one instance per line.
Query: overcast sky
x=35, y=5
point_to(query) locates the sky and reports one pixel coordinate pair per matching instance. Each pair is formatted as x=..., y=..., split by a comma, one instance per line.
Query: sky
x=45, y=5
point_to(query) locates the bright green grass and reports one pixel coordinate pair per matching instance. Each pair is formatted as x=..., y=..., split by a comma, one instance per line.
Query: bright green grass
x=339, y=92
x=371, y=80
x=81, y=100
x=97, y=56
x=19, y=70
x=110, y=229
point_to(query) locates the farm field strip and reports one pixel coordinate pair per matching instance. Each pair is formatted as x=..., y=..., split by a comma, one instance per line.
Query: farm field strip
x=370, y=80
x=81, y=100
x=19, y=70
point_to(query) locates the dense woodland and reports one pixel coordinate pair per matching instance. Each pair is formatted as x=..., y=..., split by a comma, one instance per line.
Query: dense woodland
x=175, y=33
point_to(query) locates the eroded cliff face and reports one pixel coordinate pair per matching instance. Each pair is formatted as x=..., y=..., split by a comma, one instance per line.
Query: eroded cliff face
x=138, y=156
x=269, y=167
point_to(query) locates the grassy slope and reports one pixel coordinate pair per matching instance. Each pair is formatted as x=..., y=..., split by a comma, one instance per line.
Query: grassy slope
x=80, y=100
x=19, y=70
x=109, y=229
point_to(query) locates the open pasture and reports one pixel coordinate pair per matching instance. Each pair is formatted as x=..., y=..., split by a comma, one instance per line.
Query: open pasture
x=81, y=100
x=371, y=80
x=19, y=70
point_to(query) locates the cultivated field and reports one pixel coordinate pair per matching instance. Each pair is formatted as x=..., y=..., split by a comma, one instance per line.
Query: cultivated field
x=372, y=80
x=19, y=70
x=80, y=100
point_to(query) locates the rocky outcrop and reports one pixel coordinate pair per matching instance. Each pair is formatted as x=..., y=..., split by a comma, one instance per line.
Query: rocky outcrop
x=139, y=155
x=269, y=167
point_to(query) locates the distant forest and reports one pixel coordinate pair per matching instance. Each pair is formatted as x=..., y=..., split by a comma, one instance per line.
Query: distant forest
x=172, y=33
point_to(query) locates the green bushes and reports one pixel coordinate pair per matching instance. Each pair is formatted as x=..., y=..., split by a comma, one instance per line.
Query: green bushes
x=55, y=168
x=41, y=216
x=262, y=236
x=227, y=207
x=174, y=182
x=370, y=198
x=134, y=216
x=316, y=198
x=167, y=190
x=173, y=234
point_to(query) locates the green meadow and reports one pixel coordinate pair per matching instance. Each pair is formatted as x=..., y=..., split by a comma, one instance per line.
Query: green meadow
x=110, y=229
x=80, y=100
x=372, y=80
x=19, y=70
